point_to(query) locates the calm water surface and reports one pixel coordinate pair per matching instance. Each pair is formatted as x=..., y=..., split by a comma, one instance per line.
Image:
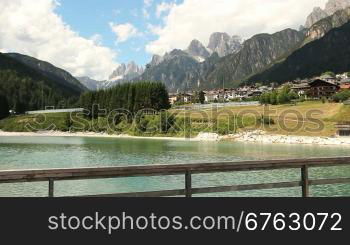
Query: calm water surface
x=72, y=152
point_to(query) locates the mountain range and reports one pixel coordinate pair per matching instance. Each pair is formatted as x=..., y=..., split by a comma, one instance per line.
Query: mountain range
x=331, y=7
x=330, y=53
x=195, y=57
x=226, y=60
x=123, y=73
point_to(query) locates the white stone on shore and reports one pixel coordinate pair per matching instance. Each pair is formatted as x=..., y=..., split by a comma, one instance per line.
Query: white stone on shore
x=208, y=137
x=259, y=136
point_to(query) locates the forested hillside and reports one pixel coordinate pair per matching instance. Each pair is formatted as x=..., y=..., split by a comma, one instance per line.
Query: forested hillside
x=27, y=89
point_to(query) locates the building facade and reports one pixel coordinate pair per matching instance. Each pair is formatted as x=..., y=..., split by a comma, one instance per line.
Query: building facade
x=322, y=89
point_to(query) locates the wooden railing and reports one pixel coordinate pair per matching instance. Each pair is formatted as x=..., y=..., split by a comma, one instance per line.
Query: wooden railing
x=187, y=170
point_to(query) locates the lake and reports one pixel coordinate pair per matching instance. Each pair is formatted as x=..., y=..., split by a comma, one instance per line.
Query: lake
x=73, y=152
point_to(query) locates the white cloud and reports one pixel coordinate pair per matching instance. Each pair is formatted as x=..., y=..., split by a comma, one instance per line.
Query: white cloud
x=198, y=19
x=33, y=28
x=97, y=39
x=148, y=3
x=163, y=8
x=154, y=29
x=124, y=31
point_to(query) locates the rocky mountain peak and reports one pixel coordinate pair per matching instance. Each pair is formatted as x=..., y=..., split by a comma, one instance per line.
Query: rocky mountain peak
x=197, y=50
x=175, y=53
x=126, y=72
x=156, y=60
x=235, y=44
x=316, y=15
x=322, y=27
x=333, y=6
x=223, y=44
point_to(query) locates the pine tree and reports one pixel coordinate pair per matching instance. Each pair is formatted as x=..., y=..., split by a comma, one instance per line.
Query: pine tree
x=201, y=97
x=4, y=107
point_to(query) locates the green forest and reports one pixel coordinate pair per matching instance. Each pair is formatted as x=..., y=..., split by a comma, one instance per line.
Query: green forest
x=26, y=89
x=128, y=96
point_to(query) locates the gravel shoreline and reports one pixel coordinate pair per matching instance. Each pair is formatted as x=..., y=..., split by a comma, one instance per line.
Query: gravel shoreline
x=263, y=137
x=252, y=137
x=81, y=134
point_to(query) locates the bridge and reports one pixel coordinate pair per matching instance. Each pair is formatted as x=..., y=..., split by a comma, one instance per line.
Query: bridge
x=187, y=170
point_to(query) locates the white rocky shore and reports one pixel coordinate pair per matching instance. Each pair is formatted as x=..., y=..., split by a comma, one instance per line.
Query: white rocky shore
x=79, y=134
x=257, y=136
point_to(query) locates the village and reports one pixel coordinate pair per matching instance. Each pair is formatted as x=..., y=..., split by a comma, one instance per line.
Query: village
x=317, y=88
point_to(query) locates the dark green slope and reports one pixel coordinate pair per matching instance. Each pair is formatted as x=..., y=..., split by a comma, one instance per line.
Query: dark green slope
x=28, y=89
x=48, y=70
x=330, y=53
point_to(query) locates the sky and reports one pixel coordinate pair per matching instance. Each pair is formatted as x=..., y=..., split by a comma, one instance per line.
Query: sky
x=92, y=37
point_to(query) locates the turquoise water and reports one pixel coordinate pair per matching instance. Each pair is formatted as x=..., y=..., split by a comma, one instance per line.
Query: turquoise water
x=72, y=152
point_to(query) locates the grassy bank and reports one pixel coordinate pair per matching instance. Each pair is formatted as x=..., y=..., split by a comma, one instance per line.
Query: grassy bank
x=304, y=119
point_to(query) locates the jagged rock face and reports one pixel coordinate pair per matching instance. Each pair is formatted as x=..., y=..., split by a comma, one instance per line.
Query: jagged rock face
x=223, y=44
x=322, y=27
x=176, y=70
x=316, y=15
x=235, y=44
x=330, y=53
x=232, y=62
x=218, y=42
x=126, y=72
x=181, y=72
x=156, y=60
x=198, y=51
x=257, y=53
x=334, y=5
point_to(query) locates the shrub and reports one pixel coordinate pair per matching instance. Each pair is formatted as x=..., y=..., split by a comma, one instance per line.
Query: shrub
x=266, y=120
x=341, y=96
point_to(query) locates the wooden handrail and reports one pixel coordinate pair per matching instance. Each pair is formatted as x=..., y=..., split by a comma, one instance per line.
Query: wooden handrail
x=52, y=175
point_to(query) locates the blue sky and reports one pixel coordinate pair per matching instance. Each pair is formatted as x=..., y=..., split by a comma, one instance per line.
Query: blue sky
x=91, y=17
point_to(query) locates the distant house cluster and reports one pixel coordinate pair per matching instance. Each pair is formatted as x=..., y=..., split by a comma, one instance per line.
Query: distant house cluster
x=240, y=93
x=315, y=88
x=321, y=87
x=221, y=95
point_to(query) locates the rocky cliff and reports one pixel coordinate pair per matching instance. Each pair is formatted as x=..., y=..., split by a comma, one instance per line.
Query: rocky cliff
x=330, y=53
x=323, y=26
x=198, y=51
x=257, y=53
x=316, y=15
x=223, y=44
